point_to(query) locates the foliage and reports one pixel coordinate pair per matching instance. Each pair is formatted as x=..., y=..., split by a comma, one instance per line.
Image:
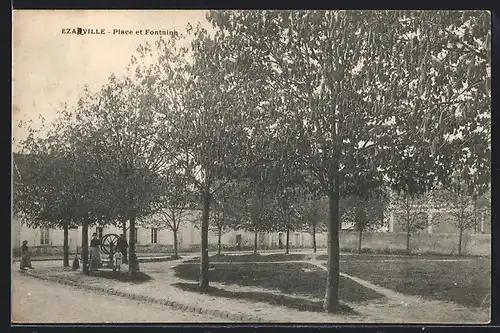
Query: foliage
x=410, y=210
x=57, y=184
x=312, y=214
x=364, y=214
x=227, y=208
x=460, y=204
x=358, y=97
x=446, y=96
x=248, y=206
x=176, y=198
x=461, y=200
x=208, y=133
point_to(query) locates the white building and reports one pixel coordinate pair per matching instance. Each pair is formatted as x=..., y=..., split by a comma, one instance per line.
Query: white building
x=49, y=240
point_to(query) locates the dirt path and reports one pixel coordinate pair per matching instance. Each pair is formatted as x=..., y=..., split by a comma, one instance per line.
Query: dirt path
x=30, y=297
x=397, y=307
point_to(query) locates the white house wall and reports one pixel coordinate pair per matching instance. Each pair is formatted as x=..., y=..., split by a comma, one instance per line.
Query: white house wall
x=189, y=235
x=56, y=236
x=16, y=232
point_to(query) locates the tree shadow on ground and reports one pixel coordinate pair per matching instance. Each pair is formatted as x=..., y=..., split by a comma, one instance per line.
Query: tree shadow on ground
x=275, y=257
x=148, y=260
x=123, y=276
x=289, y=278
x=273, y=299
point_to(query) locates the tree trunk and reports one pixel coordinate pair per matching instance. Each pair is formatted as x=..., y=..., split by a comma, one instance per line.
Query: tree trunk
x=359, y=240
x=124, y=232
x=204, y=242
x=474, y=200
x=219, y=241
x=66, y=245
x=314, y=237
x=408, y=249
x=332, y=283
x=408, y=229
x=124, y=228
x=85, y=245
x=255, y=238
x=331, y=303
x=133, y=266
x=176, y=246
x=287, y=239
x=460, y=236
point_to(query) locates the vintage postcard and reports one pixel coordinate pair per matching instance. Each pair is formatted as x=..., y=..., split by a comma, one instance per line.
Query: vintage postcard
x=264, y=166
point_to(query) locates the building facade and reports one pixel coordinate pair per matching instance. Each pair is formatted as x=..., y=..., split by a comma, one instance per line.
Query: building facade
x=155, y=239
x=150, y=237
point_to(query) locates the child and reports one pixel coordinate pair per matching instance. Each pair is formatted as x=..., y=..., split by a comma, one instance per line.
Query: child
x=118, y=256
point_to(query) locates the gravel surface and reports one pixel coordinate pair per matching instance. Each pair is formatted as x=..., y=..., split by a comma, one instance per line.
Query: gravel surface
x=398, y=309
x=37, y=301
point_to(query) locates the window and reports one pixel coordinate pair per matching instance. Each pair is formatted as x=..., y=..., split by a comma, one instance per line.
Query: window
x=98, y=231
x=44, y=236
x=136, y=238
x=154, y=235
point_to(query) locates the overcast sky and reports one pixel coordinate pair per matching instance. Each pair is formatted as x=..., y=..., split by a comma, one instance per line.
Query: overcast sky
x=50, y=68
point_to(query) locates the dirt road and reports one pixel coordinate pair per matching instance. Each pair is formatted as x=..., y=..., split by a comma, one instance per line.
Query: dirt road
x=38, y=301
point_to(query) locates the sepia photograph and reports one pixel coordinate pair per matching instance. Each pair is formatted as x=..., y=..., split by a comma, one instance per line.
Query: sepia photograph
x=251, y=166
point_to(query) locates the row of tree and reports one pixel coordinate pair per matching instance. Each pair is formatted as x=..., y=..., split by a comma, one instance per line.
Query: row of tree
x=233, y=208
x=455, y=206
x=276, y=106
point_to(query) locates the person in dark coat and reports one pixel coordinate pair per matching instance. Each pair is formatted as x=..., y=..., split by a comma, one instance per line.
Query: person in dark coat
x=122, y=247
x=76, y=263
x=25, y=256
x=95, y=252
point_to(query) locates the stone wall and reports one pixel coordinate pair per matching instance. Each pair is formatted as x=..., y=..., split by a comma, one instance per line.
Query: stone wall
x=472, y=244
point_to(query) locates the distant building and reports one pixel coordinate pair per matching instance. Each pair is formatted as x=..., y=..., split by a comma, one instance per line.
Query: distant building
x=438, y=217
x=188, y=237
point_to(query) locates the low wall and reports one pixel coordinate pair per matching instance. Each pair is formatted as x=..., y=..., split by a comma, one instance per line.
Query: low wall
x=472, y=244
x=40, y=251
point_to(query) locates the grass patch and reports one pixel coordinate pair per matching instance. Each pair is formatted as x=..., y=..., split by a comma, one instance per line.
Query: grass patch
x=77, y=276
x=388, y=256
x=374, y=251
x=402, y=252
x=255, y=258
x=466, y=282
x=122, y=276
x=289, y=278
x=295, y=303
x=146, y=259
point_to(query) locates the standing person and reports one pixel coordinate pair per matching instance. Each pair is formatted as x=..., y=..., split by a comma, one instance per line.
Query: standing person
x=118, y=256
x=122, y=247
x=25, y=256
x=95, y=252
